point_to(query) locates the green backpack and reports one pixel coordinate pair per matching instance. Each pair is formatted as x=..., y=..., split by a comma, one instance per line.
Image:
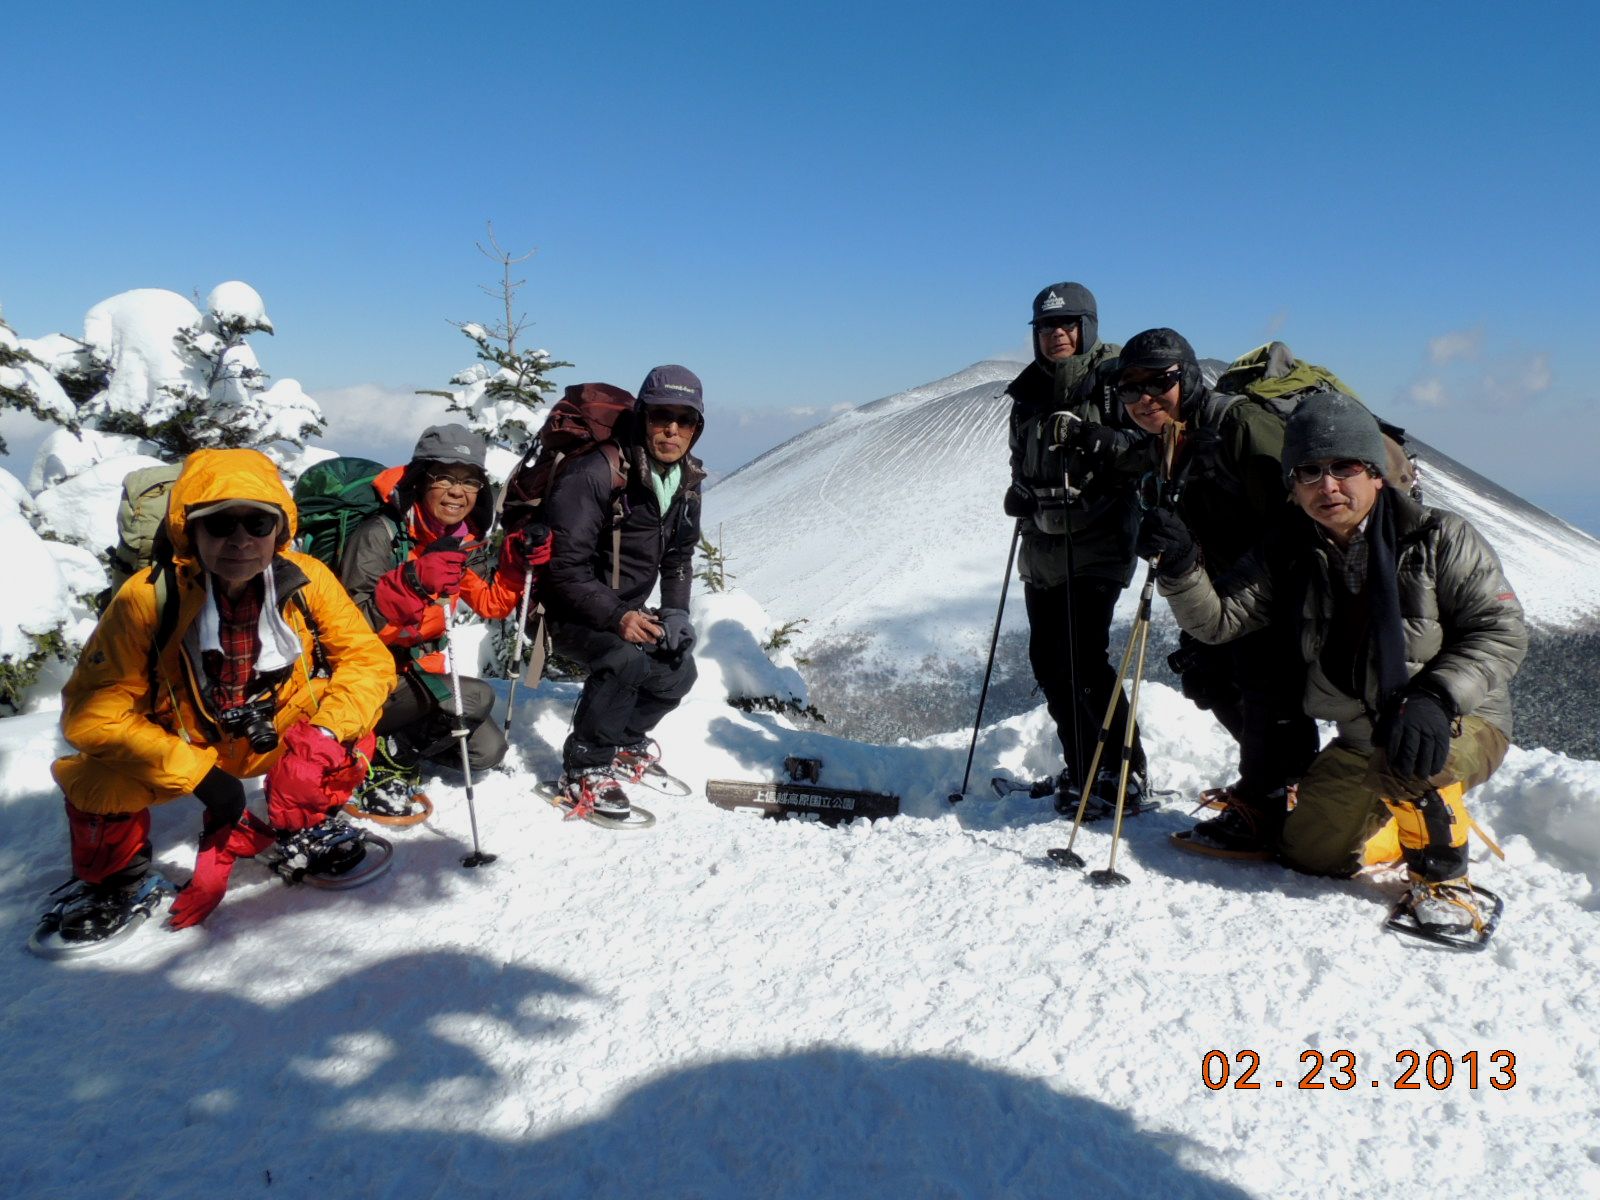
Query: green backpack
x=1272, y=377
x=334, y=496
x=141, y=540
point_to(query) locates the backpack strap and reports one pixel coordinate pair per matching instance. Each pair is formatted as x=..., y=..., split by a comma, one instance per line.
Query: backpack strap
x=619, y=484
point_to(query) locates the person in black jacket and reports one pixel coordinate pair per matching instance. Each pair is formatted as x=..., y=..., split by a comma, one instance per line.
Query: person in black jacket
x=610, y=550
x=1074, y=470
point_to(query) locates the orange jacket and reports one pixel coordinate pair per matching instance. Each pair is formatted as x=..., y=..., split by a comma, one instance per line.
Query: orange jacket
x=143, y=731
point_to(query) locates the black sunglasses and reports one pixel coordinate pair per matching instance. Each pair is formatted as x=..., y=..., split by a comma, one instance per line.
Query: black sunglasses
x=1131, y=392
x=1344, y=468
x=256, y=523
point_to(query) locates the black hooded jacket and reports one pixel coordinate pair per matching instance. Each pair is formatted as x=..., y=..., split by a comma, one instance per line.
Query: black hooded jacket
x=579, y=510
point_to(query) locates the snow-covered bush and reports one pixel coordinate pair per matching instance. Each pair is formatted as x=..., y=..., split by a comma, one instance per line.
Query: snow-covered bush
x=732, y=631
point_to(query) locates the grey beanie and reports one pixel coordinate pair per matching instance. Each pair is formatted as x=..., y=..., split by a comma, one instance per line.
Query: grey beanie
x=1330, y=425
x=451, y=444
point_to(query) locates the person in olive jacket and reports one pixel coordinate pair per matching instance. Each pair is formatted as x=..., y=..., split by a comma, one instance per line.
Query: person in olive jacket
x=611, y=549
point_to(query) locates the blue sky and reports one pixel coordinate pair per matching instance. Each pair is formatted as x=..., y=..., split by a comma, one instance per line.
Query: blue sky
x=817, y=205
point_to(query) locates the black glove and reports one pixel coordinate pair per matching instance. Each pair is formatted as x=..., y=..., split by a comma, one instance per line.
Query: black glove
x=677, y=635
x=1414, y=731
x=1092, y=440
x=1162, y=533
x=223, y=796
x=1020, y=501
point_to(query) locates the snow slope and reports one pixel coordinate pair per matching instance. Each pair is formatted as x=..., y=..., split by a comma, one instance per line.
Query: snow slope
x=885, y=523
x=725, y=1007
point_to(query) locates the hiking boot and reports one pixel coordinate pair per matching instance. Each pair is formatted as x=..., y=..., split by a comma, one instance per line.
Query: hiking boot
x=1238, y=832
x=329, y=849
x=1103, y=795
x=393, y=778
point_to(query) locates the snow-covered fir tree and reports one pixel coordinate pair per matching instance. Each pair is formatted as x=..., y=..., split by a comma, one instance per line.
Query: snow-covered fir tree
x=501, y=394
x=27, y=386
x=205, y=388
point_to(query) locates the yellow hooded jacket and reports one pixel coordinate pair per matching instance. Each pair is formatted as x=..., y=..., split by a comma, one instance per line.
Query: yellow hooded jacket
x=144, y=740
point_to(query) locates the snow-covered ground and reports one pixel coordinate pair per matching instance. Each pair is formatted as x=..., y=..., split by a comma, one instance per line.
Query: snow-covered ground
x=726, y=1007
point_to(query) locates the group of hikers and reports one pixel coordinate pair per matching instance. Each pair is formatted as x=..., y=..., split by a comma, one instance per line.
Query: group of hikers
x=237, y=654
x=1279, y=522
x=1283, y=526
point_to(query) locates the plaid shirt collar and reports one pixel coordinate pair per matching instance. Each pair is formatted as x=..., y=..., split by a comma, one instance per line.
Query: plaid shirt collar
x=1350, y=562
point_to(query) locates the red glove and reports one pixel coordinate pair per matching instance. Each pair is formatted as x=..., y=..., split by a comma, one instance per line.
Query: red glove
x=526, y=549
x=338, y=783
x=437, y=571
x=213, y=865
x=296, y=798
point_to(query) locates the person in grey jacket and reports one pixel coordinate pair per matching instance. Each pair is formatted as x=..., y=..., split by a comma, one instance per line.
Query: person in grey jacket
x=610, y=551
x=1079, y=512
x=1411, y=636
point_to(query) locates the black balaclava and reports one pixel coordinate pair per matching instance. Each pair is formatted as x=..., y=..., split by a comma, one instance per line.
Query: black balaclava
x=1059, y=303
x=1159, y=349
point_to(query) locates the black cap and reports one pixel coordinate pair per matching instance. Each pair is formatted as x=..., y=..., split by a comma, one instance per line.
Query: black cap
x=1156, y=348
x=672, y=384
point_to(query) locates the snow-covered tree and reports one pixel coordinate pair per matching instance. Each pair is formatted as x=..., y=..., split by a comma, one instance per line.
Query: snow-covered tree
x=188, y=381
x=27, y=386
x=500, y=395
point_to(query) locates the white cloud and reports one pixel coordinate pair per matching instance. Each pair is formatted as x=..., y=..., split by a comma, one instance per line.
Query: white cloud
x=372, y=420
x=1458, y=344
x=1275, y=324
x=1428, y=393
x=1519, y=381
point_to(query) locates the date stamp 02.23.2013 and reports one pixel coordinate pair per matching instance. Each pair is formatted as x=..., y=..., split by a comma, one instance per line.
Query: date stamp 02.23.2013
x=1340, y=1071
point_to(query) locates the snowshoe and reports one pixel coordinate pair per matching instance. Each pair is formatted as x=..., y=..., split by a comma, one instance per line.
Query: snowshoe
x=1102, y=801
x=1455, y=914
x=90, y=920
x=1037, y=789
x=641, y=763
x=1218, y=799
x=1235, y=833
x=394, y=803
x=596, y=797
x=334, y=855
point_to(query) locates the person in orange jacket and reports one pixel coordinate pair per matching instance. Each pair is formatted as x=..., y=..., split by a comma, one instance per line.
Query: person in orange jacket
x=240, y=657
x=409, y=565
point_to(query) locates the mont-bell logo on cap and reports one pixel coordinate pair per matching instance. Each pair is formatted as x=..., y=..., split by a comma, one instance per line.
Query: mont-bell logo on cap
x=677, y=387
x=1052, y=301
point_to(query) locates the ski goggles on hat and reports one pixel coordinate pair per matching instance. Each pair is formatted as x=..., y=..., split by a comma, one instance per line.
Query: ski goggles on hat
x=1131, y=393
x=256, y=523
x=1341, y=468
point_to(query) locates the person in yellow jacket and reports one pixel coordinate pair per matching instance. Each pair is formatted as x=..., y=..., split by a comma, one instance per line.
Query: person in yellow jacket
x=241, y=658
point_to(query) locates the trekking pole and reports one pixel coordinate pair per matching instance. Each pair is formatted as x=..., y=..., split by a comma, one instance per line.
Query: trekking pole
x=1069, y=855
x=983, y=694
x=1062, y=429
x=1110, y=877
x=477, y=858
x=516, y=654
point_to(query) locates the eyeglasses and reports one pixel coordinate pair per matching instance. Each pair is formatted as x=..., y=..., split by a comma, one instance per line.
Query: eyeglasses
x=671, y=416
x=1131, y=392
x=1310, y=474
x=256, y=523
x=467, y=483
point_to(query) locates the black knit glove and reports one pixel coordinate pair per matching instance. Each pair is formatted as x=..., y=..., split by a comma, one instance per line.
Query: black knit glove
x=1164, y=536
x=1414, y=731
x=223, y=796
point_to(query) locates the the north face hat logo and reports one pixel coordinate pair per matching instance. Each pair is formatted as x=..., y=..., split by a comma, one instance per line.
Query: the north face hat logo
x=459, y=449
x=1052, y=301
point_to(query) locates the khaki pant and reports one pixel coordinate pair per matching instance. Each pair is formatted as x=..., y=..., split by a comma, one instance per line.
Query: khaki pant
x=1340, y=802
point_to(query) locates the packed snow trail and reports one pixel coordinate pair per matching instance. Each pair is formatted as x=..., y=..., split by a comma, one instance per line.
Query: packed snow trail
x=724, y=1006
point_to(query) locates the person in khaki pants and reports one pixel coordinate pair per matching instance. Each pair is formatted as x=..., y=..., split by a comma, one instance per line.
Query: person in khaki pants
x=1411, y=636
